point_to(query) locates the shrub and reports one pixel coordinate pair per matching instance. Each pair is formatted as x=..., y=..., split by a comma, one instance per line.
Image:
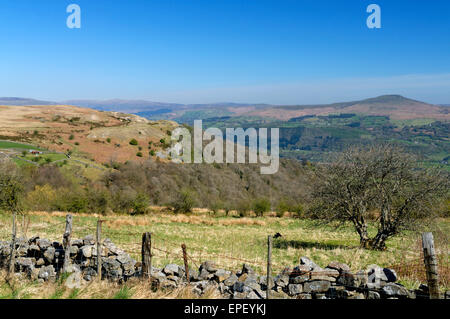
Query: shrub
x=108, y=140
x=11, y=187
x=140, y=204
x=116, y=165
x=71, y=137
x=287, y=205
x=134, y=142
x=139, y=154
x=216, y=207
x=298, y=210
x=72, y=200
x=41, y=198
x=122, y=199
x=99, y=200
x=260, y=206
x=227, y=207
x=243, y=208
x=282, y=207
x=184, y=202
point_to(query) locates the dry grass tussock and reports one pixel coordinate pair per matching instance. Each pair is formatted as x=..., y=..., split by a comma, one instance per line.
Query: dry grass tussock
x=133, y=289
x=119, y=222
x=159, y=215
x=49, y=215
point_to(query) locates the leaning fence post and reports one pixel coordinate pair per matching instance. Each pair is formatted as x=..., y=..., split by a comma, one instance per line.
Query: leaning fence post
x=99, y=250
x=66, y=242
x=13, y=247
x=430, y=260
x=146, y=255
x=269, y=265
x=186, y=266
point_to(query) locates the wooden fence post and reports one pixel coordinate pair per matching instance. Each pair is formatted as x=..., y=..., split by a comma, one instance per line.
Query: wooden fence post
x=12, y=257
x=99, y=250
x=269, y=265
x=431, y=267
x=186, y=266
x=146, y=255
x=66, y=242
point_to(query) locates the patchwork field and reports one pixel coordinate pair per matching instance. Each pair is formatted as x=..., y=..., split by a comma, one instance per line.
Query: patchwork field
x=231, y=241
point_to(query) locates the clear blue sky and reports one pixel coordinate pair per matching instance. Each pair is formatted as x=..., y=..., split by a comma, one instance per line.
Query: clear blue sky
x=202, y=51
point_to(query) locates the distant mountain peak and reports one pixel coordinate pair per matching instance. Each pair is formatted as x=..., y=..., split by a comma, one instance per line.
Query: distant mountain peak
x=19, y=101
x=389, y=98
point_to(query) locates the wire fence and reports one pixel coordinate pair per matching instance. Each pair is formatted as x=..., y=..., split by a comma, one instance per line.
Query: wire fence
x=414, y=268
x=165, y=250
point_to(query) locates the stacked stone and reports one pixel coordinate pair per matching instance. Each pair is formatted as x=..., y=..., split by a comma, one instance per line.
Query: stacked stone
x=310, y=281
x=42, y=260
x=305, y=281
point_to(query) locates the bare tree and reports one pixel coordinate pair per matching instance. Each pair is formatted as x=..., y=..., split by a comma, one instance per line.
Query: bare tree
x=381, y=178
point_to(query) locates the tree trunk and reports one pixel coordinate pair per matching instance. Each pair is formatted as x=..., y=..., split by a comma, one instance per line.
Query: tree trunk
x=379, y=241
x=361, y=228
x=384, y=230
x=364, y=241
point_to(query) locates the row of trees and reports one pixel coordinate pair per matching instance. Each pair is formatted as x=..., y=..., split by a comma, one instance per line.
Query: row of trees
x=132, y=188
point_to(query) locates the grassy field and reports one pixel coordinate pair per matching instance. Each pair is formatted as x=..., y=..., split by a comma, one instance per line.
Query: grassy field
x=40, y=159
x=412, y=122
x=231, y=241
x=13, y=145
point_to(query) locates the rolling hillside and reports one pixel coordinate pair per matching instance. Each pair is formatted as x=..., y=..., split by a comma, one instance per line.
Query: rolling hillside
x=311, y=132
x=23, y=101
x=395, y=106
x=101, y=136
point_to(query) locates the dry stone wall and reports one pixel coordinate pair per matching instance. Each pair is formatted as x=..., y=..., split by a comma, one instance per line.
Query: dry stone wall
x=42, y=260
